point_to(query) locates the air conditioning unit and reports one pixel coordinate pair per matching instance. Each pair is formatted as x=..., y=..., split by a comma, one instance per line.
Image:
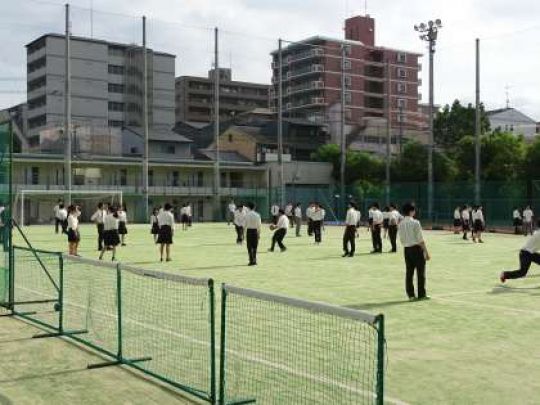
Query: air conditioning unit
x=317, y=68
x=319, y=84
x=317, y=100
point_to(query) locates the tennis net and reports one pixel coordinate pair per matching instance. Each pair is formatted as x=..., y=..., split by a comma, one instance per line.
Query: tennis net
x=276, y=349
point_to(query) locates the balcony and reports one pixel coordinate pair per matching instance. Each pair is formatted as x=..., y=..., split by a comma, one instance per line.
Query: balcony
x=311, y=53
x=315, y=68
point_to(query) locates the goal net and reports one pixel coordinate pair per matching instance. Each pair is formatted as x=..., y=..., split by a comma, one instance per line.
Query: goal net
x=36, y=207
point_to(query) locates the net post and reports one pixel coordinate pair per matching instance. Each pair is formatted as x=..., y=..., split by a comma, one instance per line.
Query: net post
x=61, y=294
x=222, y=346
x=380, y=358
x=213, y=398
x=119, y=311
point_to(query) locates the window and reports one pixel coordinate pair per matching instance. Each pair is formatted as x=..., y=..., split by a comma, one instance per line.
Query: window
x=401, y=103
x=348, y=114
x=401, y=57
x=37, y=64
x=116, y=69
x=115, y=106
x=401, y=118
x=175, y=178
x=123, y=177
x=36, y=46
x=34, y=178
x=230, y=138
x=38, y=121
x=37, y=102
x=37, y=83
x=151, y=178
x=116, y=51
x=116, y=88
x=401, y=88
x=348, y=97
x=168, y=148
x=200, y=179
x=116, y=123
x=402, y=73
x=347, y=64
x=348, y=81
x=348, y=50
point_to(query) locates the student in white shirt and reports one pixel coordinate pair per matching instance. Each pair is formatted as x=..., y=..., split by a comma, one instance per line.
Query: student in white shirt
x=274, y=211
x=528, y=220
x=317, y=216
x=122, y=222
x=98, y=217
x=376, y=224
x=63, y=216
x=253, y=232
x=527, y=255
x=349, y=235
x=189, y=213
x=393, y=222
x=239, y=223
x=111, y=237
x=280, y=230
x=517, y=222
x=184, y=217
x=166, y=230
x=57, y=221
x=289, y=213
x=457, y=220
x=465, y=221
x=478, y=224
x=154, y=230
x=416, y=253
x=72, y=230
x=231, y=209
x=309, y=212
x=386, y=220
x=298, y=218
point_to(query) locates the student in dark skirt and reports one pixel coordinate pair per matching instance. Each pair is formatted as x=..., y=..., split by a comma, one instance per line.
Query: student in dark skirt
x=166, y=230
x=122, y=222
x=72, y=230
x=111, y=238
x=154, y=230
x=386, y=219
x=184, y=218
x=457, y=220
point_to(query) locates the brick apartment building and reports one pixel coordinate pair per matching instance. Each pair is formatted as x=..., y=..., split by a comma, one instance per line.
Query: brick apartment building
x=195, y=97
x=311, y=77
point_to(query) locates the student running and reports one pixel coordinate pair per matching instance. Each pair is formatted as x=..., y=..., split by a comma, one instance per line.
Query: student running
x=111, y=238
x=280, y=230
x=527, y=255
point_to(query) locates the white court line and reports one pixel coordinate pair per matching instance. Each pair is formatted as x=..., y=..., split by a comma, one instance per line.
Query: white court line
x=277, y=366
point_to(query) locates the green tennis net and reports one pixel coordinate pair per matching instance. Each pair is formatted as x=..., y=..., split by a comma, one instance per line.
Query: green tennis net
x=5, y=213
x=280, y=350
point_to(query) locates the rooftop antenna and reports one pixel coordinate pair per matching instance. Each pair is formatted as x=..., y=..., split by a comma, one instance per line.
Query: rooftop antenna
x=507, y=88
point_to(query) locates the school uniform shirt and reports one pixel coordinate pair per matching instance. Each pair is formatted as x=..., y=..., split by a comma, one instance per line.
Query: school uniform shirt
x=410, y=232
x=317, y=215
x=288, y=210
x=122, y=216
x=239, y=218
x=110, y=223
x=283, y=222
x=395, y=217
x=62, y=214
x=232, y=208
x=99, y=216
x=478, y=216
x=153, y=219
x=465, y=215
x=55, y=210
x=253, y=220
x=377, y=217
x=188, y=210
x=532, y=245
x=528, y=215
x=352, y=218
x=516, y=214
x=274, y=210
x=166, y=218
x=72, y=222
x=386, y=215
x=457, y=214
x=309, y=212
x=298, y=212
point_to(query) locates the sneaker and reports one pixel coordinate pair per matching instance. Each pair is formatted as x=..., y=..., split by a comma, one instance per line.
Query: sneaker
x=345, y=254
x=501, y=277
x=283, y=250
x=169, y=259
x=351, y=254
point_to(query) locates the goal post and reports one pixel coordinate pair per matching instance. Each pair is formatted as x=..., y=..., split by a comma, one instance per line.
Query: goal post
x=23, y=195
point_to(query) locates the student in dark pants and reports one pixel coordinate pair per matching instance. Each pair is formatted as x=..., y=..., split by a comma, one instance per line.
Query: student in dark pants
x=393, y=222
x=309, y=212
x=280, y=231
x=317, y=216
x=416, y=254
x=253, y=233
x=527, y=255
x=376, y=225
x=99, y=219
x=349, y=236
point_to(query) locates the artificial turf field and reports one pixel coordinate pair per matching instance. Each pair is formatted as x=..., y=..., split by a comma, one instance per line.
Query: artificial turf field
x=474, y=342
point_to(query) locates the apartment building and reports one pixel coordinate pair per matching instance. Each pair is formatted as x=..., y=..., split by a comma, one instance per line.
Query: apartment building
x=195, y=97
x=373, y=77
x=106, y=87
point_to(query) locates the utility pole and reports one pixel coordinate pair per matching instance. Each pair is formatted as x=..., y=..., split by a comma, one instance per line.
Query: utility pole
x=217, y=175
x=67, y=109
x=145, y=121
x=429, y=33
x=401, y=118
x=343, y=154
x=280, y=125
x=388, y=128
x=477, y=128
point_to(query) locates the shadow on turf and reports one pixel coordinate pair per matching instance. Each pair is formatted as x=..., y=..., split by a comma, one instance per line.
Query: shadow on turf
x=505, y=289
x=43, y=375
x=379, y=304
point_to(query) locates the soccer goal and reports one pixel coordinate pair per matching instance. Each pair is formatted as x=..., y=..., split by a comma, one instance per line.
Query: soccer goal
x=37, y=206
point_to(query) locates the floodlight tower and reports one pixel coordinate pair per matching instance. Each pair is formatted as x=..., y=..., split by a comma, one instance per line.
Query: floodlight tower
x=429, y=32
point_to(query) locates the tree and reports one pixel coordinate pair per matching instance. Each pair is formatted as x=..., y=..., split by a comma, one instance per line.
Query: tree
x=532, y=160
x=453, y=123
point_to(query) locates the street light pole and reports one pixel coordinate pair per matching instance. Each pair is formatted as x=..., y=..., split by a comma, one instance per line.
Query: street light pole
x=428, y=32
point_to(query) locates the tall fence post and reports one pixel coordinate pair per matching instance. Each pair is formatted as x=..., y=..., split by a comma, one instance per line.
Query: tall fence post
x=222, y=346
x=119, y=311
x=380, y=359
x=213, y=398
x=61, y=295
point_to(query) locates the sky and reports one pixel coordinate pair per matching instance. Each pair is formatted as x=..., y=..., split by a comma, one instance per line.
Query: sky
x=509, y=35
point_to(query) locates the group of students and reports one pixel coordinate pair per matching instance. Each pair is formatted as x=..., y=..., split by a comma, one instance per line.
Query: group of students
x=470, y=219
x=67, y=220
x=523, y=220
x=162, y=229
x=111, y=224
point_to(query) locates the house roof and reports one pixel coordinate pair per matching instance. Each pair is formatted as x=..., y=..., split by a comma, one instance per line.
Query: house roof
x=224, y=156
x=158, y=134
